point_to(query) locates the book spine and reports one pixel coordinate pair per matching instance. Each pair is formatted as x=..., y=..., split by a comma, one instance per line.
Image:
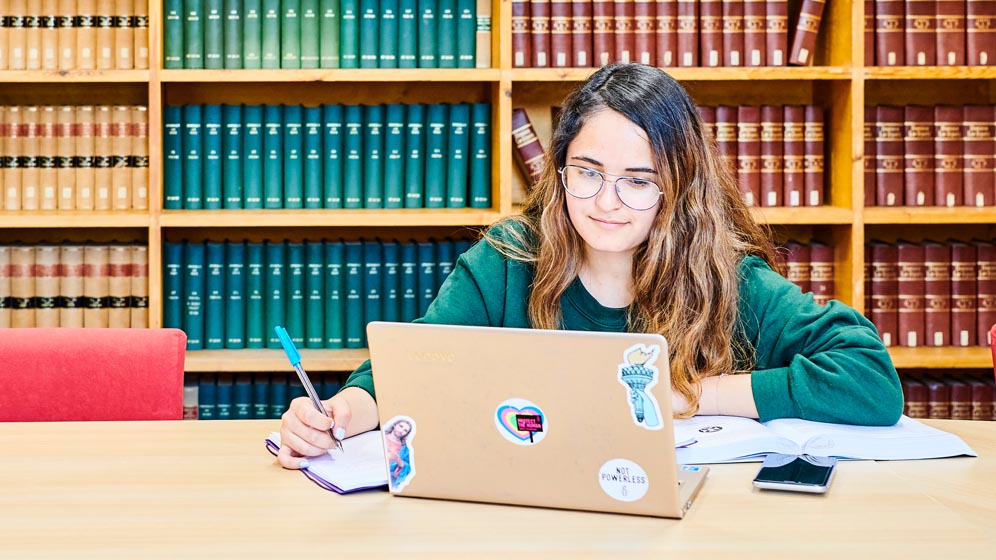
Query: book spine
x=332, y=190
x=754, y=40
x=482, y=34
x=71, y=286
x=480, y=155
x=214, y=34
x=797, y=265
x=224, y=396
x=314, y=294
x=776, y=34
x=910, y=293
x=193, y=34
x=212, y=154
x=349, y=34
x=437, y=116
x=65, y=174
x=688, y=33
x=252, y=156
x=252, y=34
x=354, y=291
x=124, y=38
x=30, y=159
x=426, y=279
x=772, y=145
x=961, y=399
x=560, y=33
x=193, y=163
x=918, y=146
x=105, y=36
x=581, y=33
x=711, y=35
x=948, y=170
x=312, y=158
x=603, y=34
x=139, y=159
x=915, y=396
x=539, y=18
x=85, y=157
x=387, y=51
x=982, y=400
x=937, y=294
x=409, y=281
x=794, y=159
x=293, y=166
x=46, y=277
x=466, y=36
x=624, y=31
x=335, y=300
x=328, y=27
x=869, y=33
x=86, y=36
x=120, y=150
x=22, y=286
x=644, y=29
x=733, y=32
x=890, y=25
x=749, y=153
x=884, y=291
x=977, y=147
x=11, y=157
x=255, y=273
x=521, y=34
x=173, y=273
x=231, y=149
x=390, y=281
x=193, y=294
x=207, y=397
x=963, y=294
x=235, y=295
x=428, y=38
x=980, y=32
x=242, y=397
x=275, y=290
x=47, y=151
x=889, y=156
x=270, y=34
x=921, y=31
x=278, y=397
x=372, y=285
x=373, y=156
x=352, y=148
x=294, y=298
x=232, y=34
x=290, y=33
x=415, y=156
x=950, y=35
x=821, y=271
x=938, y=399
x=868, y=158
x=66, y=30
x=394, y=156
x=726, y=137
x=806, y=31
x=814, y=163
x=369, y=33
x=118, y=286
x=139, y=299
x=310, y=34
x=273, y=156
x=214, y=295
x=985, y=290
x=408, y=34
x=103, y=158
x=457, y=146
x=528, y=152
x=444, y=261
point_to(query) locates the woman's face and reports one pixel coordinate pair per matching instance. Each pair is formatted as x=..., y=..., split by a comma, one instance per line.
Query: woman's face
x=611, y=143
x=401, y=429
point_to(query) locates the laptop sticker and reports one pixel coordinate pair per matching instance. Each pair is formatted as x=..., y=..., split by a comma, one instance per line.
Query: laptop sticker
x=623, y=480
x=521, y=422
x=398, y=435
x=638, y=374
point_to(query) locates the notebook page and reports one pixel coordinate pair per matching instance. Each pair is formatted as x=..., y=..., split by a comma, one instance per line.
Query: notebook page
x=360, y=465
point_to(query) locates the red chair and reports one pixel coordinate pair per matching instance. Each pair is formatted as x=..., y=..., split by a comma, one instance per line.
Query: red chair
x=91, y=374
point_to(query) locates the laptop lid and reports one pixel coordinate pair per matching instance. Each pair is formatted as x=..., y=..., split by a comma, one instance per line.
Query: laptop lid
x=563, y=419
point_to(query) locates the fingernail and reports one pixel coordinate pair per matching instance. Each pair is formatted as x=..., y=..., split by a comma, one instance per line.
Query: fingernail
x=303, y=464
x=340, y=433
x=332, y=425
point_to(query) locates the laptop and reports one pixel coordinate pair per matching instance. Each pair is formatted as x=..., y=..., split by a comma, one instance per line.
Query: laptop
x=560, y=419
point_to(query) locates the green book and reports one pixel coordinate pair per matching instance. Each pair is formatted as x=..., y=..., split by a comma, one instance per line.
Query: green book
x=255, y=273
x=225, y=400
x=408, y=282
x=273, y=157
x=310, y=33
x=414, y=155
x=295, y=284
x=466, y=39
x=271, y=34
x=353, y=269
x=193, y=145
x=252, y=34
x=235, y=290
x=243, y=408
x=390, y=281
x=332, y=163
x=290, y=34
x=214, y=34
x=233, y=34
x=261, y=396
x=349, y=34
x=372, y=289
x=214, y=288
x=446, y=33
x=373, y=156
x=278, y=396
x=231, y=149
x=312, y=164
x=394, y=156
x=329, y=34
x=444, y=261
x=352, y=147
x=388, y=50
x=173, y=156
x=193, y=295
x=211, y=177
x=274, y=295
x=480, y=155
x=427, y=34
x=293, y=162
x=252, y=149
x=335, y=286
x=426, y=275
x=207, y=396
x=436, y=116
x=173, y=271
x=408, y=34
x=369, y=33
x=173, y=42
x=314, y=293
x=457, y=144
x=193, y=34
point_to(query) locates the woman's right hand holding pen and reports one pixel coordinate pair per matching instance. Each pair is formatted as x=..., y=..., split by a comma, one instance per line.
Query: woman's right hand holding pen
x=304, y=431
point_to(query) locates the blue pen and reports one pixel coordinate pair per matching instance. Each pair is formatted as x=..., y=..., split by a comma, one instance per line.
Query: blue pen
x=295, y=359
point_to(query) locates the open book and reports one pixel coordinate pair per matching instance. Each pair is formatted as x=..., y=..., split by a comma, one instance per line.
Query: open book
x=359, y=466
x=726, y=439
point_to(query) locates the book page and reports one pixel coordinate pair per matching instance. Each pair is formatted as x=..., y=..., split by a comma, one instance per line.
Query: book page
x=724, y=439
x=360, y=465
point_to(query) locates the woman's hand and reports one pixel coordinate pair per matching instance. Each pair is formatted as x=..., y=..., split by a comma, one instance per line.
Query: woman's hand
x=304, y=432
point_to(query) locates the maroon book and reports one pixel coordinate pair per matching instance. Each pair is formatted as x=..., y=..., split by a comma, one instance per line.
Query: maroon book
x=708, y=117
x=910, y=289
x=890, y=25
x=948, y=172
x=754, y=26
x=921, y=28
x=821, y=280
x=978, y=147
x=888, y=156
x=982, y=399
x=529, y=155
x=776, y=32
x=522, y=51
x=937, y=294
x=814, y=162
x=985, y=290
x=980, y=32
x=915, y=396
x=539, y=16
x=961, y=399
x=867, y=277
x=733, y=33
x=749, y=153
x=623, y=28
x=644, y=31
x=688, y=33
x=963, y=294
x=938, y=398
x=869, y=46
x=772, y=139
x=868, y=160
x=726, y=136
x=711, y=32
x=794, y=155
x=581, y=33
x=560, y=33
x=918, y=158
x=797, y=265
x=667, y=33
x=950, y=32
x=604, y=30
x=807, y=29
x=884, y=287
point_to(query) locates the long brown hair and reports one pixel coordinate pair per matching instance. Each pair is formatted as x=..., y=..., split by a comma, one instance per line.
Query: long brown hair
x=685, y=275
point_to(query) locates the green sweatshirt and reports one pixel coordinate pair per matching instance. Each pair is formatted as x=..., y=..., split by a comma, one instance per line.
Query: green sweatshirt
x=818, y=363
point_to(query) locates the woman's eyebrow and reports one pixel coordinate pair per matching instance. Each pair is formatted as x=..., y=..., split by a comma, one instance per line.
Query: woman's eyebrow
x=628, y=169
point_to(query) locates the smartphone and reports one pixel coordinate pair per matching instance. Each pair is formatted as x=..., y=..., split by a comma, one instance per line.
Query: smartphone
x=796, y=473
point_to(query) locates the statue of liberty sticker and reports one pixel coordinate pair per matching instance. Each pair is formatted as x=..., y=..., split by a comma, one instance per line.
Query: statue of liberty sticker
x=638, y=374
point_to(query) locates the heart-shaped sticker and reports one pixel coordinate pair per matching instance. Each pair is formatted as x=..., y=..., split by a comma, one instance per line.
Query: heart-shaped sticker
x=521, y=421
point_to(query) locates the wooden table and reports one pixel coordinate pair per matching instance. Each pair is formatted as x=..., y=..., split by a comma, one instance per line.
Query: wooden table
x=210, y=490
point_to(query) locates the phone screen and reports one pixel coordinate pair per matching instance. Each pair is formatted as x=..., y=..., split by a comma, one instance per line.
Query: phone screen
x=796, y=472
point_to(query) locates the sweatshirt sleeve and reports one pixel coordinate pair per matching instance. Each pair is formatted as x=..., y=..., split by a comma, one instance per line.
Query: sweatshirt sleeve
x=821, y=363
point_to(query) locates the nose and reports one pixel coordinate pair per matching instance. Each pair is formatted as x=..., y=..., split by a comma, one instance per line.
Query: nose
x=607, y=197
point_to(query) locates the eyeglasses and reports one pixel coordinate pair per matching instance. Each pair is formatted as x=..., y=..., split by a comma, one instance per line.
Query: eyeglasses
x=634, y=192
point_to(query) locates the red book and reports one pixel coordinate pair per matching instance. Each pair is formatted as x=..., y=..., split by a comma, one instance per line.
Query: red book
x=985, y=289
x=867, y=277
x=950, y=32
x=733, y=33
x=963, y=294
x=978, y=147
x=948, y=172
x=522, y=52
x=869, y=46
x=794, y=155
x=961, y=399
x=644, y=31
x=868, y=160
x=667, y=33
x=918, y=159
x=938, y=398
x=560, y=33
x=539, y=17
x=889, y=156
x=797, y=265
x=708, y=117
x=884, y=291
x=581, y=33
x=688, y=33
x=749, y=153
x=937, y=294
x=980, y=32
x=915, y=396
x=921, y=27
x=711, y=34
x=528, y=151
x=754, y=26
x=776, y=32
x=604, y=26
x=821, y=279
x=890, y=25
x=771, y=155
x=814, y=162
x=726, y=136
x=624, y=36
x=806, y=31
x=982, y=399
x=910, y=290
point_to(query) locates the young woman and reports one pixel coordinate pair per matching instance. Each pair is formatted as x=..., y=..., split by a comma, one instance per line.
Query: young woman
x=636, y=226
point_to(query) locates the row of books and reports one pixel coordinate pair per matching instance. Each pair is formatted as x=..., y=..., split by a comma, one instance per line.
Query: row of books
x=237, y=34
x=930, y=155
x=664, y=33
x=810, y=266
x=226, y=396
x=933, y=33
x=930, y=293
x=231, y=294
x=944, y=396
x=333, y=156
x=74, y=158
x=70, y=285
x=74, y=34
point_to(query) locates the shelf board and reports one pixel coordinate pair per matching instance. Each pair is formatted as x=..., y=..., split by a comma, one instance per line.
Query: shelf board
x=74, y=76
x=272, y=360
x=335, y=75
x=695, y=74
x=930, y=215
x=785, y=215
x=930, y=73
x=329, y=218
x=73, y=219
x=942, y=357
